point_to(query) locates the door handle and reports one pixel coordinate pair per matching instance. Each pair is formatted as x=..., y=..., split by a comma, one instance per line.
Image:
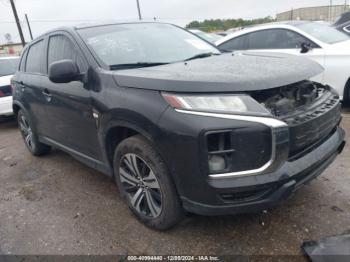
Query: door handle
x=47, y=94
x=21, y=85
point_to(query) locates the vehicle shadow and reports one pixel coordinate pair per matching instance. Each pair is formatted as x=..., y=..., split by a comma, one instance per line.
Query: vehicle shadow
x=7, y=122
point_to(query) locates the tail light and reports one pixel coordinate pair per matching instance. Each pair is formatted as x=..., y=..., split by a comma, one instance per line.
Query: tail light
x=5, y=91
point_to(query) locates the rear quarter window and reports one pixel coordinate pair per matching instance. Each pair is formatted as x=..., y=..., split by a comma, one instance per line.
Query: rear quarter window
x=23, y=61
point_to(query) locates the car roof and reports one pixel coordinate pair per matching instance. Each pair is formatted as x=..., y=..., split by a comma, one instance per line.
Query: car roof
x=289, y=22
x=91, y=25
x=88, y=25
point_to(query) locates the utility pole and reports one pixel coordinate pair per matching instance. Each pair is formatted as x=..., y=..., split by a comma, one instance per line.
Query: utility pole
x=139, y=10
x=17, y=22
x=30, y=30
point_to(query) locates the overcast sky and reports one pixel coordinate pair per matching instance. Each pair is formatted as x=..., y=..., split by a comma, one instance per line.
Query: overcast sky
x=48, y=14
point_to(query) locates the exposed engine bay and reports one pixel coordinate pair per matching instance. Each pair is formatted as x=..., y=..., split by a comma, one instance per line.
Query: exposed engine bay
x=286, y=100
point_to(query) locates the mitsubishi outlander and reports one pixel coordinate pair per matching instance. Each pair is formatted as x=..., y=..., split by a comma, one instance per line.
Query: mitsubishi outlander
x=179, y=125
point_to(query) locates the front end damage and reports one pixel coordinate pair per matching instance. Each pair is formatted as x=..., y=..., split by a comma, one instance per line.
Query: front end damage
x=311, y=111
x=258, y=175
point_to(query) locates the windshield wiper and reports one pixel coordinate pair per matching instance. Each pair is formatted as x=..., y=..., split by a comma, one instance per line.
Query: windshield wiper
x=135, y=65
x=201, y=55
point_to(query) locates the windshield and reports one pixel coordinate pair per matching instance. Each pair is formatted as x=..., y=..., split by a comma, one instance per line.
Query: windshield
x=8, y=66
x=142, y=43
x=323, y=32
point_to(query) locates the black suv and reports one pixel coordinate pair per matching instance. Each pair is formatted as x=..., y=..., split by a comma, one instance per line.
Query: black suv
x=179, y=125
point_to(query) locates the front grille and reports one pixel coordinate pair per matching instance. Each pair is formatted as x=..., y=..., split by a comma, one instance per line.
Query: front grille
x=312, y=126
x=5, y=91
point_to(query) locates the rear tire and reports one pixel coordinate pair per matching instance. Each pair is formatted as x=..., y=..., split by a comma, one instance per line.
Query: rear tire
x=30, y=137
x=144, y=181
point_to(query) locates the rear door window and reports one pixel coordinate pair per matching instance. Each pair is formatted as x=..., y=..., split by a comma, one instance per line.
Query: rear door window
x=276, y=39
x=35, y=58
x=61, y=47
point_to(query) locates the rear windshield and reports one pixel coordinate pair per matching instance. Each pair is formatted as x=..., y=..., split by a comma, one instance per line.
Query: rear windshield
x=8, y=66
x=143, y=43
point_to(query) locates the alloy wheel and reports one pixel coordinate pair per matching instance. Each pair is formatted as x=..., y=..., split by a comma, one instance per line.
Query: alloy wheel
x=140, y=185
x=26, y=132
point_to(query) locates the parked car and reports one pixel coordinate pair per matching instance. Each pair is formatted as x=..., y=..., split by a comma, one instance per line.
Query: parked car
x=316, y=40
x=343, y=23
x=210, y=37
x=8, y=66
x=345, y=28
x=178, y=125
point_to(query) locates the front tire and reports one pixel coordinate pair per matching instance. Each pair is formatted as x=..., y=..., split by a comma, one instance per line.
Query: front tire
x=144, y=181
x=30, y=137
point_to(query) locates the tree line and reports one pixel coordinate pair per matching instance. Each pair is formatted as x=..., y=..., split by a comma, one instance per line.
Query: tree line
x=225, y=24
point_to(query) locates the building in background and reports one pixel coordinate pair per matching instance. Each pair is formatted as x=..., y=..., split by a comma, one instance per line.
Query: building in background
x=317, y=13
x=10, y=49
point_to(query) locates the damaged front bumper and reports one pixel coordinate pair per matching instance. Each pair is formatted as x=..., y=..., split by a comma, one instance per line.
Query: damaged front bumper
x=255, y=193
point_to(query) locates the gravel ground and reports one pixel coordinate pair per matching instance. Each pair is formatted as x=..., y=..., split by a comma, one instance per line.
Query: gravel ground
x=56, y=205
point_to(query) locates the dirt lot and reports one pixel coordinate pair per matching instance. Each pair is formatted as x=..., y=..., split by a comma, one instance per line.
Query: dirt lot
x=55, y=205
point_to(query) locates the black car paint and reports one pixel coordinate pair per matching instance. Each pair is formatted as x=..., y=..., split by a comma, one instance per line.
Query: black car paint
x=344, y=28
x=81, y=116
x=343, y=23
x=234, y=72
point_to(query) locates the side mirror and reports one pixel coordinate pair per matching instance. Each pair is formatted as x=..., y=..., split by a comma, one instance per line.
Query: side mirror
x=305, y=47
x=64, y=71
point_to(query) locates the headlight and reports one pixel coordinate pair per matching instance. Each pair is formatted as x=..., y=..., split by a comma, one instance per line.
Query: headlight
x=216, y=103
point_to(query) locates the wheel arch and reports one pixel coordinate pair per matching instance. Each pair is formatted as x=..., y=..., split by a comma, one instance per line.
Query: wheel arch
x=116, y=132
x=16, y=106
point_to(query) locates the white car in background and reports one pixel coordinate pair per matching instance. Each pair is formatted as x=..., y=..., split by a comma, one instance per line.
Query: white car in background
x=8, y=66
x=316, y=40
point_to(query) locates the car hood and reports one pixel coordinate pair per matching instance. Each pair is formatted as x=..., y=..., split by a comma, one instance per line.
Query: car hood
x=224, y=73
